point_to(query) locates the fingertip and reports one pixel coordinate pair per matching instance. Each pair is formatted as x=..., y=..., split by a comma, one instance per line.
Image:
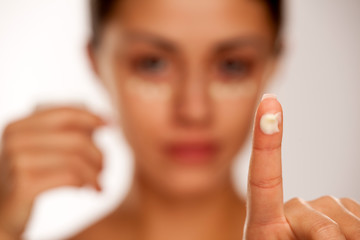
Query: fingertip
x=269, y=115
x=269, y=104
x=268, y=124
x=269, y=95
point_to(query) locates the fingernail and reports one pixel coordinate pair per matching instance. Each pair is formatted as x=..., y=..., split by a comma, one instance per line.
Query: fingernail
x=269, y=95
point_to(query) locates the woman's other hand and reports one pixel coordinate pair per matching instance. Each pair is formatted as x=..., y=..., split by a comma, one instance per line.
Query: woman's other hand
x=50, y=148
x=268, y=218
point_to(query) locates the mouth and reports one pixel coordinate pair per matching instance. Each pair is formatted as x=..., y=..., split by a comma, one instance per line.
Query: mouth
x=192, y=152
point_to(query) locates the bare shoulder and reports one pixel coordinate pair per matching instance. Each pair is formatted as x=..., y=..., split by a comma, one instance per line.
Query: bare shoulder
x=117, y=225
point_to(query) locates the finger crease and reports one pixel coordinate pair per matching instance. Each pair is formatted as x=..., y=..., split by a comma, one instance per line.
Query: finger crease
x=267, y=183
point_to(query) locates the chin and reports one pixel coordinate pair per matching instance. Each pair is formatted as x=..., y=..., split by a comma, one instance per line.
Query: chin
x=192, y=185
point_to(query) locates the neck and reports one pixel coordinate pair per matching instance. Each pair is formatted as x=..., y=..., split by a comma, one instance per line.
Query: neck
x=218, y=214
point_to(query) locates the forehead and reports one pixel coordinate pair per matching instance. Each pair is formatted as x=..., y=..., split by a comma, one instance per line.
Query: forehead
x=196, y=18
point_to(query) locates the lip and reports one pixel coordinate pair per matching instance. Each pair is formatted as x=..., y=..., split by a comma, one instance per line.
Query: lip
x=192, y=152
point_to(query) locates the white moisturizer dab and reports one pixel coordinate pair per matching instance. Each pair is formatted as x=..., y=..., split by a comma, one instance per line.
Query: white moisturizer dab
x=269, y=123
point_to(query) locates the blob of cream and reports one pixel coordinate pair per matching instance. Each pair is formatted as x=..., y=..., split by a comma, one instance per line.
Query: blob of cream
x=269, y=123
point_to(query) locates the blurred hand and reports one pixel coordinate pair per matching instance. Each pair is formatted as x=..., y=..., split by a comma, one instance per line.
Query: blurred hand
x=49, y=149
x=326, y=218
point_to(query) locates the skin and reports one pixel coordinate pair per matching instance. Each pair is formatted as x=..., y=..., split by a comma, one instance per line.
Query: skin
x=165, y=45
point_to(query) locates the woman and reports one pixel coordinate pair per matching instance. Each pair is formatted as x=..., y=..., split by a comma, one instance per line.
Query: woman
x=185, y=78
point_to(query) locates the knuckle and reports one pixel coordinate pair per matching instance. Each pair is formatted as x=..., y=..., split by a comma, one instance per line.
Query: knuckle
x=10, y=143
x=67, y=162
x=328, y=199
x=325, y=230
x=326, y=203
x=79, y=140
x=19, y=162
x=75, y=158
x=75, y=162
x=66, y=114
x=72, y=179
x=294, y=203
x=346, y=199
x=70, y=114
x=9, y=129
x=267, y=183
x=350, y=202
x=16, y=142
x=66, y=111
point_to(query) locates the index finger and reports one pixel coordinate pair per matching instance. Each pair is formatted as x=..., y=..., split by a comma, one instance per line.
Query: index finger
x=265, y=191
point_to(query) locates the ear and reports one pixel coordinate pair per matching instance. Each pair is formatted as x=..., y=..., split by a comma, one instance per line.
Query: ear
x=91, y=54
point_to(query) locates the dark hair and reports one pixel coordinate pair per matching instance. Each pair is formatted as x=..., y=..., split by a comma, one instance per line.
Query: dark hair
x=101, y=10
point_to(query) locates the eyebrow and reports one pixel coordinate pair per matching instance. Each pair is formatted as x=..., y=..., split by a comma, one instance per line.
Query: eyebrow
x=221, y=46
x=240, y=42
x=160, y=42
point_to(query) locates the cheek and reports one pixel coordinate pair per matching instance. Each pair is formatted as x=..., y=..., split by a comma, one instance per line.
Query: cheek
x=234, y=103
x=144, y=111
x=234, y=118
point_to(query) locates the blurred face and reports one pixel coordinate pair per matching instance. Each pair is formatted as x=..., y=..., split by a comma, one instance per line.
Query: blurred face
x=185, y=77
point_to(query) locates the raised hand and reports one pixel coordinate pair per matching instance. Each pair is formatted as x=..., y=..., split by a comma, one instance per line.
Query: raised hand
x=268, y=217
x=50, y=148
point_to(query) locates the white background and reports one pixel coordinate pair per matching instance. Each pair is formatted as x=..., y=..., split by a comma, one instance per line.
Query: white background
x=42, y=58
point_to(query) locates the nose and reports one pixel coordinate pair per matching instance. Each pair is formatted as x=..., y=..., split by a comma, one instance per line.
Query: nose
x=192, y=103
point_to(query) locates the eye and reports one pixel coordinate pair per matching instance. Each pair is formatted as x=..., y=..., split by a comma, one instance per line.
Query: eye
x=234, y=67
x=151, y=64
